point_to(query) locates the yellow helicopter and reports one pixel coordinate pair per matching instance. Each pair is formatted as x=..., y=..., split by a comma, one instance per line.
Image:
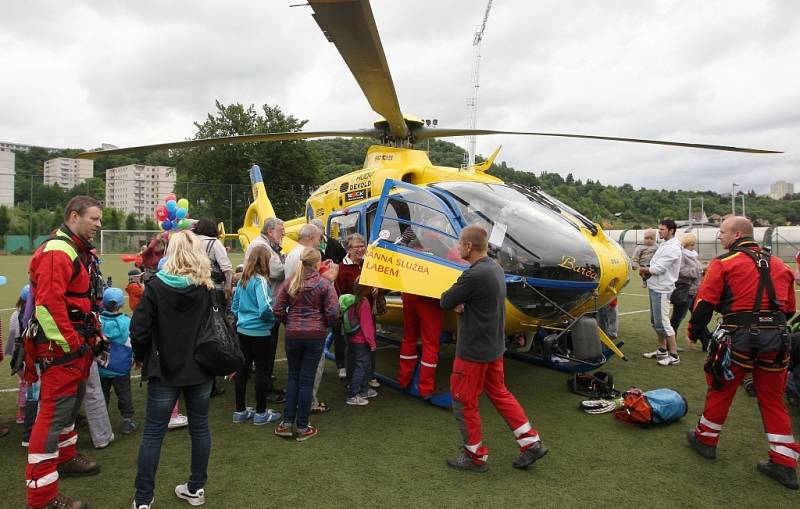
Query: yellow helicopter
x=560, y=267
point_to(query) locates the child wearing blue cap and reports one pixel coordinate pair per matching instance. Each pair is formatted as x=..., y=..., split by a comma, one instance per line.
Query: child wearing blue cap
x=115, y=364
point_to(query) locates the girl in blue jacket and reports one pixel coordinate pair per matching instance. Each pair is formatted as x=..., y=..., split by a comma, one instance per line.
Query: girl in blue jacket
x=252, y=306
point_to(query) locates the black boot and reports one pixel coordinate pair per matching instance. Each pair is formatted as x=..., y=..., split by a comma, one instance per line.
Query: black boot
x=530, y=455
x=784, y=475
x=706, y=451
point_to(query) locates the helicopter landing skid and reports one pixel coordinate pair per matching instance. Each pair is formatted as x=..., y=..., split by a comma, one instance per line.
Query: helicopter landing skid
x=439, y=399
x=565, y=364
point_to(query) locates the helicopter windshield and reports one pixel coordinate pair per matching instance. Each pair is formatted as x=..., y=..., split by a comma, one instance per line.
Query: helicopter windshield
x=530, y=238
x=416, y=219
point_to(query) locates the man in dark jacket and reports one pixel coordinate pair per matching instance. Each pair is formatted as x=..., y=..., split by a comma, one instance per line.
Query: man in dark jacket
x=479, y=295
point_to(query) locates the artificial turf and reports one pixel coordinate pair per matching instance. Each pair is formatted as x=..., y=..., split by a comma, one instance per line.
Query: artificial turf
x=391, y=453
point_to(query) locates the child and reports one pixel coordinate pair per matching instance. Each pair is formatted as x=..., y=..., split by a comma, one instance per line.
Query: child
x=135, y=288
x=14, y=332
x=307, y=304
x=360, y=345
x=252, y=306
x=115, y=364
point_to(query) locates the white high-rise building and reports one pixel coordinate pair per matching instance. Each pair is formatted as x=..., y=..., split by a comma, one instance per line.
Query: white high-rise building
x=138, y=189
x=67, y=172
x=7, y=160
x=779, y=189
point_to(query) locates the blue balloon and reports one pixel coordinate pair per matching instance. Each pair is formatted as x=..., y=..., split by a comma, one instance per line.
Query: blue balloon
x=171, y=215
x=3, y=280
x=172, y=206
x=181, y=213
x=166, y=225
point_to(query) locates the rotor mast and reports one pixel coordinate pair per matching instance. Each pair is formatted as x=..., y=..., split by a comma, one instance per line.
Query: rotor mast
x=472, y=102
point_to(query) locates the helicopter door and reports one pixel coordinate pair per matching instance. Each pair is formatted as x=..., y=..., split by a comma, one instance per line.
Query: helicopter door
x=413, y=242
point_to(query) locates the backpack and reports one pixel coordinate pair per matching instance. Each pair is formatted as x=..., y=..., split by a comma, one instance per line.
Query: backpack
x=349, y=314
x=217, y=349
x=118, y=358
x=597, y=385
x=659, y=406
x=217, y=276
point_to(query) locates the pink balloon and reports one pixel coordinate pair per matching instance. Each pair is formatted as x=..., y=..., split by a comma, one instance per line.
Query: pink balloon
x=169, y=197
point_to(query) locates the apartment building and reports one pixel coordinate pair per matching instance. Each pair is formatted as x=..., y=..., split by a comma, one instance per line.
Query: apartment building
x=138, y=189
x=67, y=172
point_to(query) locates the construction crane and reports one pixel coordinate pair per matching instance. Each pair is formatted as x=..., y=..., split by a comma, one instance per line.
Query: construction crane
x=472, y=102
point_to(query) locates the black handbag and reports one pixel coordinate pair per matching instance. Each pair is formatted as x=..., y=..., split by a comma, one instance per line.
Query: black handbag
x=680, y=295
x=217, y=350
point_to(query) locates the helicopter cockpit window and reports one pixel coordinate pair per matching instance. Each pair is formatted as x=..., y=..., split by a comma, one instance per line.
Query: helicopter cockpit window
x=342, y=226
x=414, y=219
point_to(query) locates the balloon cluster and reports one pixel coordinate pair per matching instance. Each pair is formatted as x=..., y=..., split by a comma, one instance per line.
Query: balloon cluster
x=172, y=214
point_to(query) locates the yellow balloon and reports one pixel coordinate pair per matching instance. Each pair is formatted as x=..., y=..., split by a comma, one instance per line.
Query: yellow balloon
x=183, y=203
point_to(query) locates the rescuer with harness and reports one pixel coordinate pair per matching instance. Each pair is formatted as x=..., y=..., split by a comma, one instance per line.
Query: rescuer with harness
x=754, y=293
x=58, y=343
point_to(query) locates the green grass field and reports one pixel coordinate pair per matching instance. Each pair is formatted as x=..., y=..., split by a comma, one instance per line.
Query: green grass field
x=391, y=453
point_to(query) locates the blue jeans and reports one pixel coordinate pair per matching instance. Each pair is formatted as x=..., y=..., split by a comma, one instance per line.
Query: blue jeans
x=302, y=357
x=160, y=401
x=362, y=369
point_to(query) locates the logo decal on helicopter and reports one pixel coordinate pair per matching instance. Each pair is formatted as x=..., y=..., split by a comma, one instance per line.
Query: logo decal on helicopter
x=568, y=262
x=355, y=195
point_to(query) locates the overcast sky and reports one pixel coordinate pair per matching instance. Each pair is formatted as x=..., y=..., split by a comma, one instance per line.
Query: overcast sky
x=79, y=73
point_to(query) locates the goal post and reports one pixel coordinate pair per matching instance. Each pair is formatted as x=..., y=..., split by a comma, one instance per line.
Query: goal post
x=124, y=241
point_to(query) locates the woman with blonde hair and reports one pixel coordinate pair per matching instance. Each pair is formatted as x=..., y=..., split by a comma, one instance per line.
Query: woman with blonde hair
x=252, y=305
x=308, y=306
x=164, y=329
x=688, y=282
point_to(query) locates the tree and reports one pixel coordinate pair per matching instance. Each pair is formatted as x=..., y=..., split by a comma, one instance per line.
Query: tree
x=130, y=222
x=290, y=169
x=5, y=220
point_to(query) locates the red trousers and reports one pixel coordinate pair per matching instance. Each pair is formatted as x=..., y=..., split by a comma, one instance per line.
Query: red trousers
x=422, y=317
x=467, y=382
x=770, y=387
x=53, y=436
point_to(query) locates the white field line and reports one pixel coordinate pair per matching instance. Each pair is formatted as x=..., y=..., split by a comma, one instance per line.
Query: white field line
x=634, y=312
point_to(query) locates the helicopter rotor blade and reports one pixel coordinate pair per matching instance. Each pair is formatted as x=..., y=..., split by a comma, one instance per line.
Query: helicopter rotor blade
x=440, y=132
x=350, y=26
x=234, y=140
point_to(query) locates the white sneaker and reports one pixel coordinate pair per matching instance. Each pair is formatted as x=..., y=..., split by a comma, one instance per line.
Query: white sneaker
x=371, y=393
x=178, y=421
x=196, y=498
x=342, y=373
x=143, y=506
x=357, y=400
x=374, y=383
x=669, y=361
x=103, y=446
x=655, y=354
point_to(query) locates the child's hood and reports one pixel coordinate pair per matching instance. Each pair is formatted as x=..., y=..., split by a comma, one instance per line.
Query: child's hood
x=116, y=326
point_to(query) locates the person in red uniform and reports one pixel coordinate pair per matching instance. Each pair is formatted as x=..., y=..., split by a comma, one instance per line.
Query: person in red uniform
x=422, y=318
x=63, y=278
x=756, y=329
x=479, y=296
